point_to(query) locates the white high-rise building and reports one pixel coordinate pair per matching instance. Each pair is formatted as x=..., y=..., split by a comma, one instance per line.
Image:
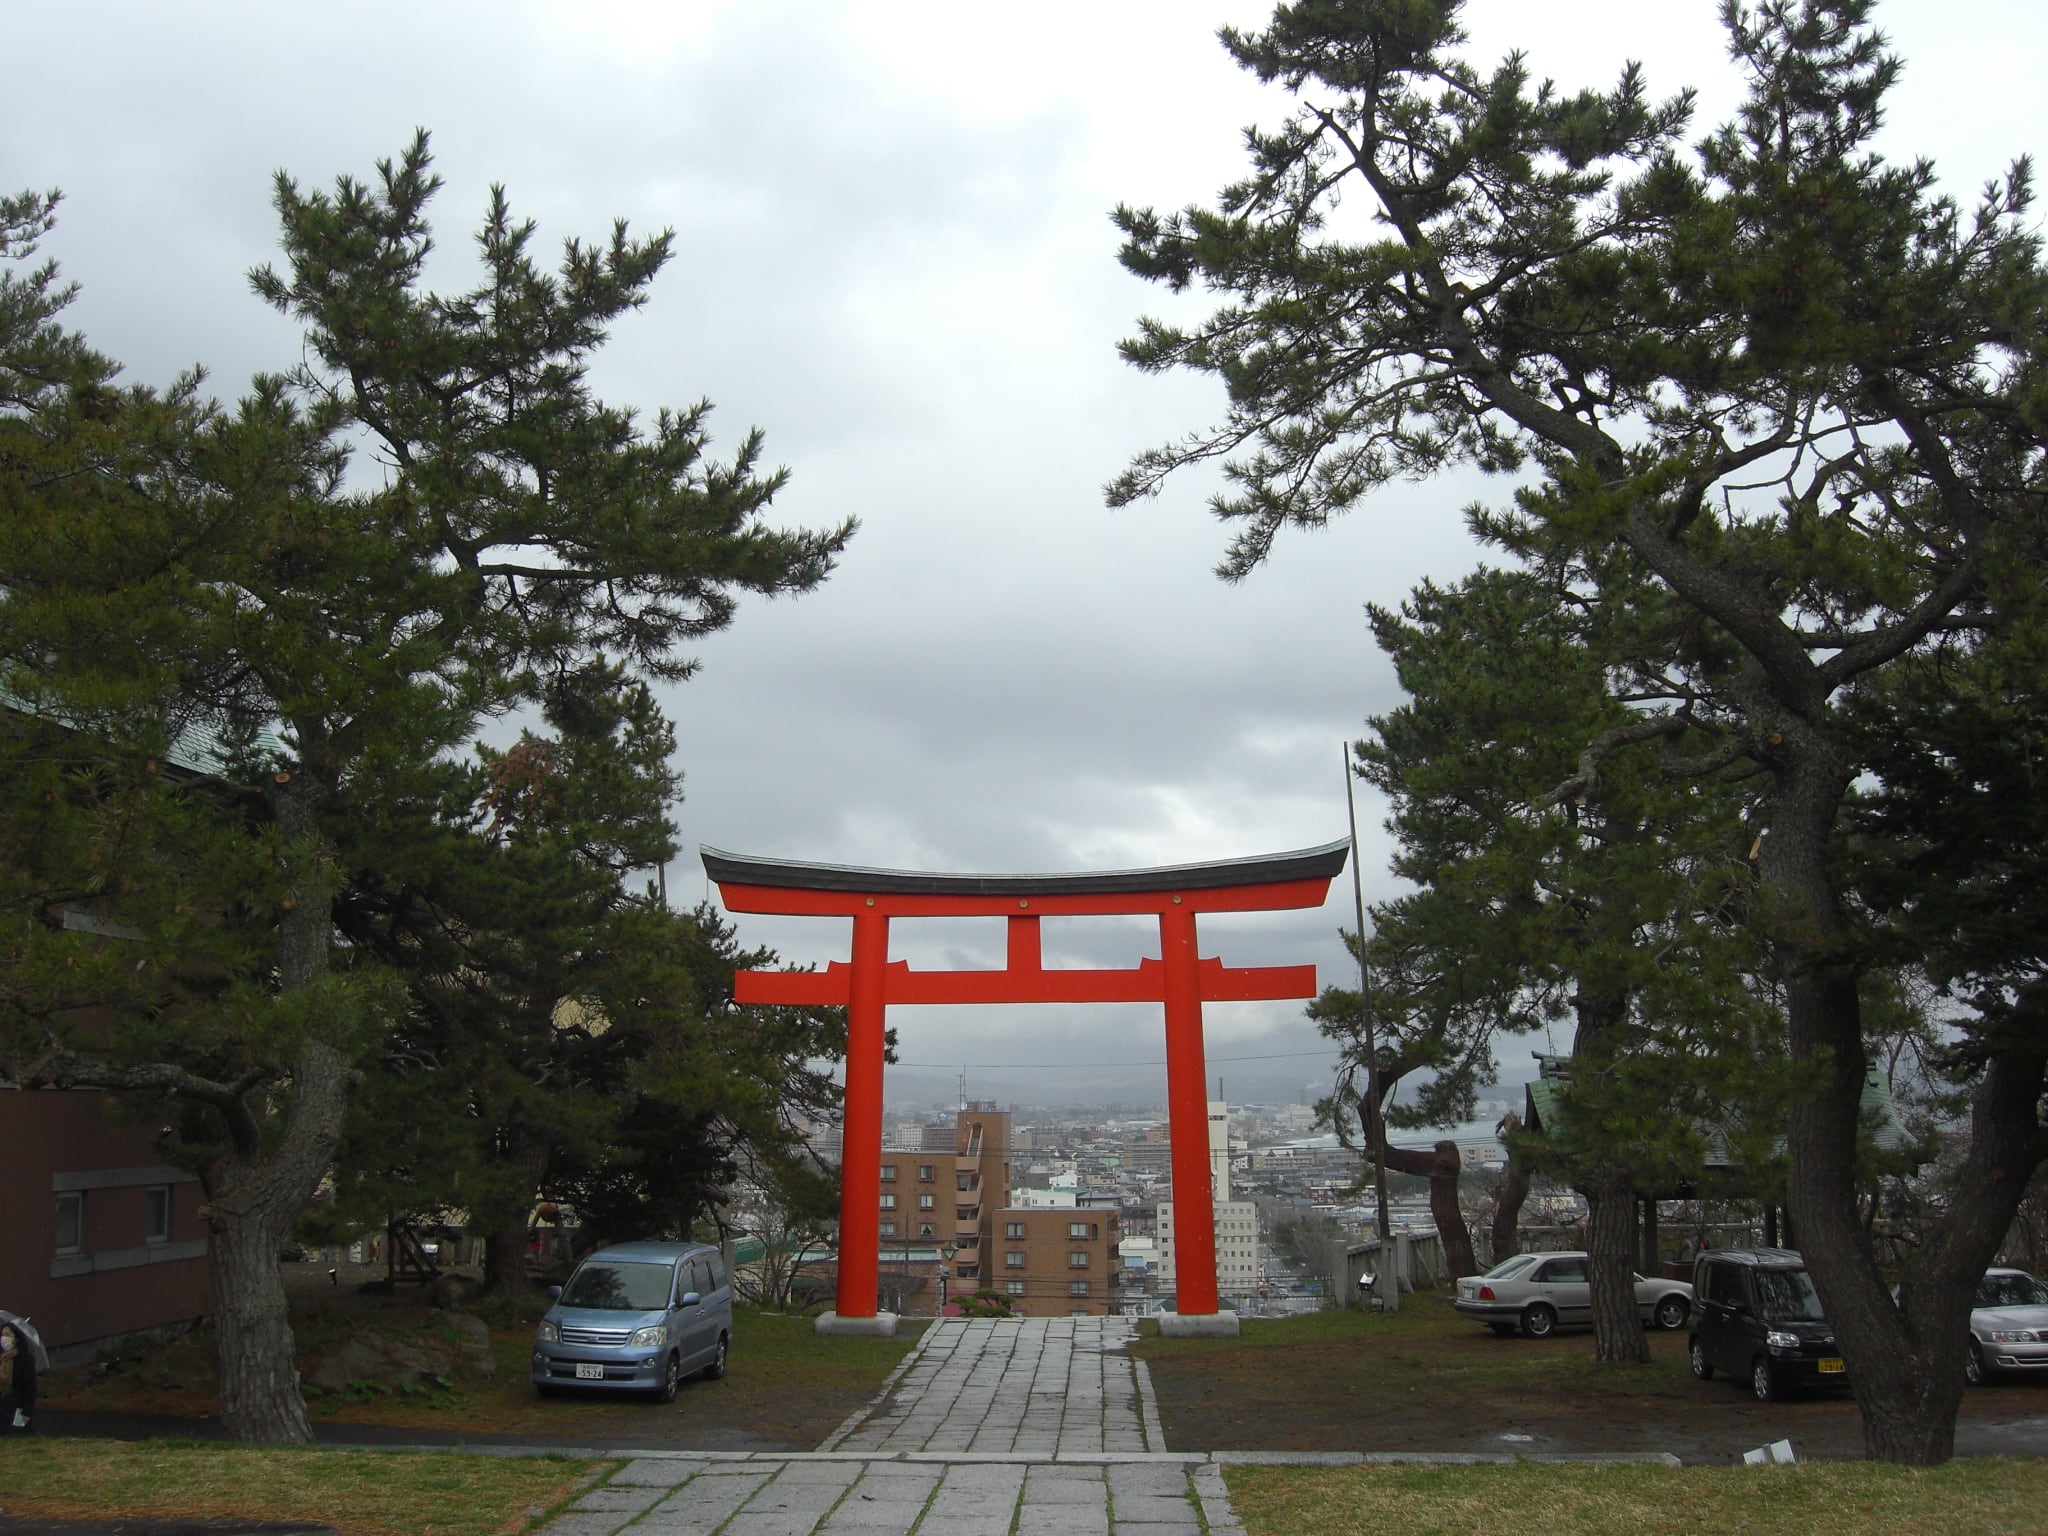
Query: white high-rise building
x=1237, y=1221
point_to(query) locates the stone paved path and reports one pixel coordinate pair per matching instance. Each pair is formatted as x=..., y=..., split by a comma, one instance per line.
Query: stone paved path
x=1041, y=1427
x=1045, y=1386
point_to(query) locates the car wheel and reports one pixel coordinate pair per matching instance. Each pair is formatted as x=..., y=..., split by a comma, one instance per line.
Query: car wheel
x=1539, y=1321
x=1975, y=1372
x=1762, y=1382
x=1671, y=1313
x=1700, y=1369
x=671, y=1379
x=716, y=1368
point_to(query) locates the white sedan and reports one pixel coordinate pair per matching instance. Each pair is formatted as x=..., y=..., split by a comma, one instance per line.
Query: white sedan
x=1539, y=1293
x=2008, y=1326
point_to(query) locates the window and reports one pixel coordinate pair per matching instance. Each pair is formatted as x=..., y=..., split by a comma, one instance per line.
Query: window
x=924, y=1229
x=1080, y=1229
x=888, y=1173
x=924, y=1202
x=156, y=1220
x=926, y=1172
x=963, y=1181
x=1077, y=1287
x=1013, y=1258
x=1013, y=1229
x=888, y=1202
x=71, y=1222
x=1078, y=1259
x=1014, y=1287
x=888, y=1229
x=1724, y=1287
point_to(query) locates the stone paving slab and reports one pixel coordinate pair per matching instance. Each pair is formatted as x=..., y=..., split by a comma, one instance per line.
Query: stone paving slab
x=1029, y=1427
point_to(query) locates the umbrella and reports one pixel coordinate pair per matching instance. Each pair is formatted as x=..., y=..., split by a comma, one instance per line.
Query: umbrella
x=34, y=1340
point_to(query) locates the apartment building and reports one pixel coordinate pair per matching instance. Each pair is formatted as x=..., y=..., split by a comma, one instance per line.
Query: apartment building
x=1051, y=1262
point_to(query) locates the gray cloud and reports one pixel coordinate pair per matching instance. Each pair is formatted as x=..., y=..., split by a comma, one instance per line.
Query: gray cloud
x=893, y=255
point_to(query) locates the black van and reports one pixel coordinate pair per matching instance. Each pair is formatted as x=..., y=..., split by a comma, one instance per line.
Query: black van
x=1755, y=1315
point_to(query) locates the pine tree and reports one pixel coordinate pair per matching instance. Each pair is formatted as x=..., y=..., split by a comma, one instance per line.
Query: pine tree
x=1796, y=383
x=1609, y=907
x=316, y=600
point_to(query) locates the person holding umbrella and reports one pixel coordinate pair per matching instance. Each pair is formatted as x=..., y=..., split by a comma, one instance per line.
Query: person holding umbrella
x=21, y=1357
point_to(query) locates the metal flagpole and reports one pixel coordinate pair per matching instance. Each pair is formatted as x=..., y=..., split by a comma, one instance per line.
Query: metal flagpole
x=1372, y=1053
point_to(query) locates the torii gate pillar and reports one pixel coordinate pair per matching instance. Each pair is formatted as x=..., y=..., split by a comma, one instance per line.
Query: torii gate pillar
x=1180, y=980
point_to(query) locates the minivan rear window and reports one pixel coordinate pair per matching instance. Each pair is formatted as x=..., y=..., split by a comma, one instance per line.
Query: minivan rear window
x=619, y=1287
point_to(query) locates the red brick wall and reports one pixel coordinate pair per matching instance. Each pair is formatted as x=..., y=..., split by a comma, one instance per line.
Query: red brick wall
x=117, y=1282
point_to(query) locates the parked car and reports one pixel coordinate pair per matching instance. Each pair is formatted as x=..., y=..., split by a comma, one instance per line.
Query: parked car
x=1542, y=1292
x=2008, y=1326
x=1757, y=1317
x=638, y=1316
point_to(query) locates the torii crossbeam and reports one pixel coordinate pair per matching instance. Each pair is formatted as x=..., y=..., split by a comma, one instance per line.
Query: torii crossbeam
x=1179, y=979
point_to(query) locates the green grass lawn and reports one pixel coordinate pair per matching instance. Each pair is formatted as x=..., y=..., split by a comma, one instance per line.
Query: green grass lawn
x=373, y=1493
x=361, y=1493
x=1986, y=1497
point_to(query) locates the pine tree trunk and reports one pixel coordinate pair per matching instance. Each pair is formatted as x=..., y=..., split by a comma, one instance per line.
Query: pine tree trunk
x=1507, y=1210
x=505, y=1212
x=504, y=1260
x=256, y=1192
x=1905, y=1358
x=1446, y=1168
x=259, y=1380
x=1610, y=1265
x=1443, y=1166
x=252, y=1201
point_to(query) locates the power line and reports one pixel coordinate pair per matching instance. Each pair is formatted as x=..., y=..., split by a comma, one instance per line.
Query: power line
x=1090, y=1066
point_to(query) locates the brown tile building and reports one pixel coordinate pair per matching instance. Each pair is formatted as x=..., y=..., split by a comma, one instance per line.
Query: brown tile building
x=1055, y=1262
x=1049, y=1262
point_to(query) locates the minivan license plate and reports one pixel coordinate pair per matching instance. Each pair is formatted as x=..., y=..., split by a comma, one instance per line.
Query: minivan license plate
x=596, y=1372
x=1830, y=1367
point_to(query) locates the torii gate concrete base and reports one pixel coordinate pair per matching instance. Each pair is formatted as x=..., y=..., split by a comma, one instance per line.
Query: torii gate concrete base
x=1212, y=1325
x=881, y=1326
x=1180, y=980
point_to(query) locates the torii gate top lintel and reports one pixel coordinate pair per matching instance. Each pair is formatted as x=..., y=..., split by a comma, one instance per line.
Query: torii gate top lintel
x=1267, y=881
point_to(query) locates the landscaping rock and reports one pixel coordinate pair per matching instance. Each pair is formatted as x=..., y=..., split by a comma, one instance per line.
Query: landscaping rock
x=452, y=1290
x=382, y=1361
x=472, y=1342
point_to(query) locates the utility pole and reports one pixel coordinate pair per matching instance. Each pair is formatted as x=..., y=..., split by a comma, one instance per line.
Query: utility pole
x=1377, y=1123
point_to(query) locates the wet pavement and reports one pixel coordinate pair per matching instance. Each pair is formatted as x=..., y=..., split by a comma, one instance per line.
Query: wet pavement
x=1043, y=1426
x=1038, y=1427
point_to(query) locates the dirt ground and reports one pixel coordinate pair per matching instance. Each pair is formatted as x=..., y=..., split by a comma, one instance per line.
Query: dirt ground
x=777, y=1397
x=1420, y=1380
x=1430, y=1381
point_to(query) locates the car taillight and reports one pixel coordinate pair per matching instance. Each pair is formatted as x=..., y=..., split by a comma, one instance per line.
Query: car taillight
x=1486, y=1293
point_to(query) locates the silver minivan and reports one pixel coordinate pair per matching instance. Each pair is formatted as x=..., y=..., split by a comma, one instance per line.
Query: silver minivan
x=639, y=1317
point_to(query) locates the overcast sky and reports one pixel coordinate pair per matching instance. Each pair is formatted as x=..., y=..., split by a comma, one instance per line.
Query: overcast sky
x=894, y=257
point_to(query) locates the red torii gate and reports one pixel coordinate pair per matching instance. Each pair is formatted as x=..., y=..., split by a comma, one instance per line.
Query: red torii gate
x=1180, y=980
